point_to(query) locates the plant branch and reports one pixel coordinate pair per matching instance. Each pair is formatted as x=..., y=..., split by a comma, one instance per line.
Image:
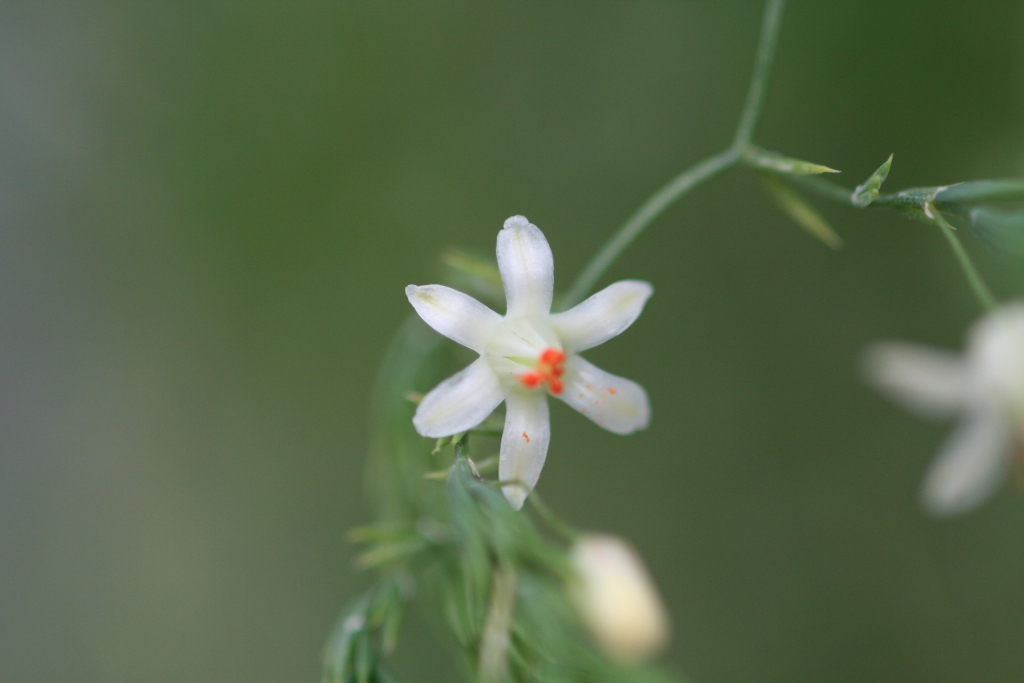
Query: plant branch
x=913, y=198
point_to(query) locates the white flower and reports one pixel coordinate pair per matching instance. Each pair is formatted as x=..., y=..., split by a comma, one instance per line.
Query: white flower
x=527, y=354
x=985, y=387
x=617, y=599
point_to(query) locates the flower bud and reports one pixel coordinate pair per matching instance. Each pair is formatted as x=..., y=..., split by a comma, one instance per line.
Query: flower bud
x=617, y=599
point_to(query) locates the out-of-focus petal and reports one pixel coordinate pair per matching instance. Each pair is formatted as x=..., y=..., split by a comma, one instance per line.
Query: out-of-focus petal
x=457, y=316
x=461, y=402
x=524, y=444
x=602, y=316
x=527, y=268
x=930, y=382
x=996, y=355
x=970, y=465
x=615, y=403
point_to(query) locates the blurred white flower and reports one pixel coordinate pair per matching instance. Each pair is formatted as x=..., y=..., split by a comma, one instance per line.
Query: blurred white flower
x=527, y=354
x=617, y=599
x=985, y=387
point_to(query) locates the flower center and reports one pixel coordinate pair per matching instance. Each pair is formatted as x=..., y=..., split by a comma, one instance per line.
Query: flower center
x=548, y=370
x=525, y=353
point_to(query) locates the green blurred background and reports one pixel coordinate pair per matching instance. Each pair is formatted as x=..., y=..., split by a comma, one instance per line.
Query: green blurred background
x=208, y=212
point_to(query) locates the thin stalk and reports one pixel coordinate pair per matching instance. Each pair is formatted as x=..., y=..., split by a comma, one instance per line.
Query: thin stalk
x=981, y=290
x=554, y=523
x=770, y=25
x=651, y=209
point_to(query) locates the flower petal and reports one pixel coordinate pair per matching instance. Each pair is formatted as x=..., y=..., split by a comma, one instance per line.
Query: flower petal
x=527, y=268
x=457, y=316
x=524, y=444
x=927, y=381
x=970, y=465
x=616, y=403
x=601, y=317
x=460, y=402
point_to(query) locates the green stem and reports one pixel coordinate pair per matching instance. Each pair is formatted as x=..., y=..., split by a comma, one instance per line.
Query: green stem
x=651, y=209
x=770, y=24
x=698, y=173
x=554, y=523
x=977, y=284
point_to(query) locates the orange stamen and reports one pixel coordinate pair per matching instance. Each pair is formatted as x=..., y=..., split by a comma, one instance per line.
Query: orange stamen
x=552, y=357
x=549, y=370
x=531, y=380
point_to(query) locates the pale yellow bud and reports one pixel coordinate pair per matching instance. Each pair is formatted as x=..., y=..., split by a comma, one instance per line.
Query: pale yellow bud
x=617, y=599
